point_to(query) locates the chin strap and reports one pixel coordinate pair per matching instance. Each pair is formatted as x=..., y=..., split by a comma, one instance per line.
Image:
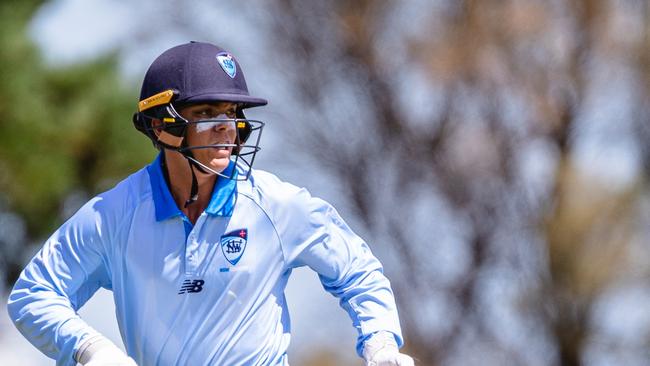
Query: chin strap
x=194, y=191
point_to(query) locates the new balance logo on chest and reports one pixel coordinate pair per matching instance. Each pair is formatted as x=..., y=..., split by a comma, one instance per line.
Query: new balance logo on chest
x=190, y=286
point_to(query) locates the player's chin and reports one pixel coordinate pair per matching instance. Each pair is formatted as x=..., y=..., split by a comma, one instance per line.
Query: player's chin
x=219, y=164
x=217, y=159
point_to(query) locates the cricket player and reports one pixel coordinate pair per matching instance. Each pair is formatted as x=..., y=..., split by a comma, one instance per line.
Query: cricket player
x=197, y=247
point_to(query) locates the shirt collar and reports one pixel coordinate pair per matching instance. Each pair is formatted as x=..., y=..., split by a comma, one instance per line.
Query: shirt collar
x=224, y=193
x=222, y=202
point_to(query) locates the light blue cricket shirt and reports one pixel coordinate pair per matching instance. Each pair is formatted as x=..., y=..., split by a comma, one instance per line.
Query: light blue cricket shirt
x=205, y=294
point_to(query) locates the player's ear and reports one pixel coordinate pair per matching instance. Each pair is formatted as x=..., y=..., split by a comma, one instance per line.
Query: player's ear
x=156, y=125
x=168, y=135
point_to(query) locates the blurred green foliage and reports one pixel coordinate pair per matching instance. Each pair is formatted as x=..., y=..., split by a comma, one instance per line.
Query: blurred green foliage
x=62, y=130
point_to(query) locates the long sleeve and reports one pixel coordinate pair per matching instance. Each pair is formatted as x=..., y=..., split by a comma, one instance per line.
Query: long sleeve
x=313, y=234
x=60, y=278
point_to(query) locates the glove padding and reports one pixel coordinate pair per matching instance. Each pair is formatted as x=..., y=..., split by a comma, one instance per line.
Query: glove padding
x=381, y=350
x=99, y=351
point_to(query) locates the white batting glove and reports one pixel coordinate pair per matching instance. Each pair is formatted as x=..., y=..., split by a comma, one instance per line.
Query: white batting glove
x=99, y=351
x=381, y=350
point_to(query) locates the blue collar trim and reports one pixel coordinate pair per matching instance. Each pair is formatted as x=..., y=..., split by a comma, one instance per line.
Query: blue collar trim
x=162, y=198
x=222, y=202
x=224, y=194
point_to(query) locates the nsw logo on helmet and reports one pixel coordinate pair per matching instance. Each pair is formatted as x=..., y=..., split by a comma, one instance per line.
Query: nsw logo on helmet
x=227, y=63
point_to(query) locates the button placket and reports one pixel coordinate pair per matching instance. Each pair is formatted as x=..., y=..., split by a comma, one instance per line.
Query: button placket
x=191, y=247
x=190, y=257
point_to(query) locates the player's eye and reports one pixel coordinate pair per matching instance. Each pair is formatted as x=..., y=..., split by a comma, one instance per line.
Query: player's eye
x=209, y=112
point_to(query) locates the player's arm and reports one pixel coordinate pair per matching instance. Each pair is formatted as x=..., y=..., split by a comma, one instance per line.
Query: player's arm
x=60, y=278
x=318, y=237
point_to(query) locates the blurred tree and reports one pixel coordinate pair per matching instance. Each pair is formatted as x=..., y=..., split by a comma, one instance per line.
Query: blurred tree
x=65, y=133
x=454, y=129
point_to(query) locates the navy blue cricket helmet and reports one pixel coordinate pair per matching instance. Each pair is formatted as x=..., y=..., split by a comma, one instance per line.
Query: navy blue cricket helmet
x=194, y=73
x=200, y=72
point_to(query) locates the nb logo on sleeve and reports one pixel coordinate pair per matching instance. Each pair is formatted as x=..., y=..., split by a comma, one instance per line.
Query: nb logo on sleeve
x=190, y=286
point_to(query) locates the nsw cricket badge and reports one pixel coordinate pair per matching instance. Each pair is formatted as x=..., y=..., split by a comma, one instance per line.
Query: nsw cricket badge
x=227, y=63
x=233, y=245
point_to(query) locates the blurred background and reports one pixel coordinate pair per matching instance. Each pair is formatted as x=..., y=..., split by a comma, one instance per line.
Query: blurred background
x=495, y=154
